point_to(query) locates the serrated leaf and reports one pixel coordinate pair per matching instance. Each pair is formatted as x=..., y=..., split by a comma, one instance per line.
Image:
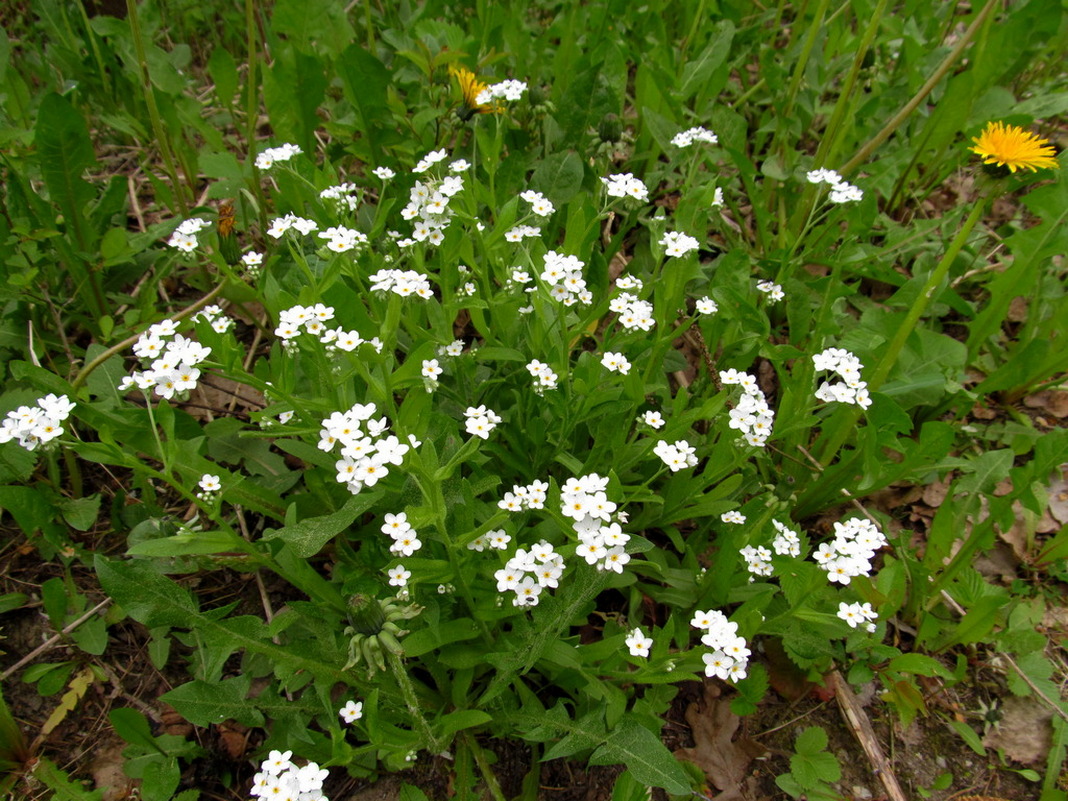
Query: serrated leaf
x=308, y=537
x=146, y=596
x=204, y=703
x=645, y=756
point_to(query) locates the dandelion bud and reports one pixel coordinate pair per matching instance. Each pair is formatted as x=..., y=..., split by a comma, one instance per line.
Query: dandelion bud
x=366, y=615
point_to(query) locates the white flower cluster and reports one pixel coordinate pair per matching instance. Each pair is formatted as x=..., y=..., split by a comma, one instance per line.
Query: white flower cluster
x=752, y=416
x=787, y=542
x=37, y=425
x=615, y=362
x=563, y=274
x=505, y=90
x=365, y=449
x=676, y=456
x=847, y=366
x=497, y=540
x=300, y=319
x=341, y=239
x=402, y=282
x=625, y=185
x=428, y=206
x=173, y=362
x=521, y=232
x=345, y=195
x=215, y=317
x=253, y=262
x=697, y=134
x=531, y=496
x=772, y=290
x=678, y=244
x=539, y=204
x=706, y=305
x=544, y=374
x=638, y=644
x=429, y=160
x=730, y=653
x=733, y=516
x=841, y=190
x=858, y=614
x=757, y=560
x=527, y=573
x=850, y=553
x=633, y=312
x=481, y=421
x=454, y=348
x=601, y=541
x=280, y=779
x=405, y=538
x=184, y=237
x=272, y=155
x=384, y=173
x=279, y=225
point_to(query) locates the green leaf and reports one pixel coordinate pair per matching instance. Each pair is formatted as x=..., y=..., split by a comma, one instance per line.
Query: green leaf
x=645, y=756
x=811, y=741
x=559, y=177
x=366, y=80
x=308, y=537
x=203, y=703
x=144, y=595
x=919, y=664
x=969, y=736
x=463, y=719
x=80, y=513
x=434, y=637
x=61, y=785
x=65, y=152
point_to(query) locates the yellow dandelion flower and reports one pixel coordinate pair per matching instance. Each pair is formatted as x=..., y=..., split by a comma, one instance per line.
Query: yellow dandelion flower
x=1013, y=147
x=470, y=88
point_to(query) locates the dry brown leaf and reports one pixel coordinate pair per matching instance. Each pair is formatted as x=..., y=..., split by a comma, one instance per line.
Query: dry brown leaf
x=1017, y=310
x=935, y=492
x=1053, y=401
x=1024, y=732
x=1058, y=498
x=724, y=761
x=108, y=775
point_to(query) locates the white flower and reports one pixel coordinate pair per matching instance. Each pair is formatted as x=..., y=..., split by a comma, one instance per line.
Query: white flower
x=431, y=369
x=732, y=517
x=706, y=305
x=398, y=576
x=352, y=711
x=653, y=419
x=678, y=244
x=210, y=483
x=697, y=134
x=638, y=643
x=616, y=362
x=625, y=185
x=384, y=173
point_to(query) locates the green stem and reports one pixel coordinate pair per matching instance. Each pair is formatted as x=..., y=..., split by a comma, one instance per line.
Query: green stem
x=930, y=287
x=845, y=424
x=411, y=700
x=153, y=111
x=802, y=62
x=483, y=766
x=829, y=142
x=869, y=147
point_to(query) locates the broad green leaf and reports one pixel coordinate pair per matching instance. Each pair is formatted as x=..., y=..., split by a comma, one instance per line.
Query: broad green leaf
x=65, y=152
x=144, y=595
x=558, y=177
x=308, y=537
x=205, y=703
x=645, y=756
